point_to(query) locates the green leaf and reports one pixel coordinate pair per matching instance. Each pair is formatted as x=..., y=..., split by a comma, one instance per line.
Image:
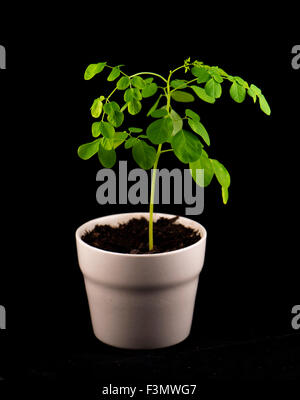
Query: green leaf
x=134, y=107
x=162, y=112
x=186, y=146
x=241, y=81
x=197, y=127
x=144, y=154
x=96, y=108
x=191, y=114
x=264, y=106
x=107, y=158
x=87, y=150
x=176, y=83
x=154, y=107
x=129, y=95
x=252, y=94
x=201, y=74
x=149, y=90
x=93, y=69
x=221, y=172
x=255, y=89
x=223, y=178
x=237, y=92
x=123, y=83
x=216, y=76
x=182, y=97
x=116, y=119
x=115, y=116
x=135, y=130
x=108, y=144
x=202, y=163
x=115, y=73
x=131, y=142
x=132, y=93
x=177, y=122
x=119, y=138
x=96, y=129
x=225, y=194
x=110, y=107
x=201, y=93
x=148, y=80
x=160, y=131
x=219, y=71
x=107, y=130
x=213, y=88
x=138, y=82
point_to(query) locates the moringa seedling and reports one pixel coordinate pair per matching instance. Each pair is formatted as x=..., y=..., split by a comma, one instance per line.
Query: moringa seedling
x=185, y=135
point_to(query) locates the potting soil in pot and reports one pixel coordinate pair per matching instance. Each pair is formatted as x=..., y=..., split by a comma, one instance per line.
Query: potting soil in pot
x=132, y=237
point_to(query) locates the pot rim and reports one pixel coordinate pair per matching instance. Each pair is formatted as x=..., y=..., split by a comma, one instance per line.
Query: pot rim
x=202, y=231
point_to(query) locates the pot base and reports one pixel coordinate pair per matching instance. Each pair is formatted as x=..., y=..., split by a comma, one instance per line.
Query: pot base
x=147, y=346
x=148, y=318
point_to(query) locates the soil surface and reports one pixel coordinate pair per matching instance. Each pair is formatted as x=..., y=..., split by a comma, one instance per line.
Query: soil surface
x=132, y=236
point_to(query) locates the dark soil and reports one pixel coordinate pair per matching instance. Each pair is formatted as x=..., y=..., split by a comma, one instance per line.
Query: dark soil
x=132, y=237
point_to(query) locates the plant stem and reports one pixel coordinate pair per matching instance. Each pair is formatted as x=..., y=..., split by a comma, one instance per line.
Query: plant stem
x=149, y=73
x=159, y=151
x=152, y=195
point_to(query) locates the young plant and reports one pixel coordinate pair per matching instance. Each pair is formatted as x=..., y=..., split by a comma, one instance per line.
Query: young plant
x=168, y=128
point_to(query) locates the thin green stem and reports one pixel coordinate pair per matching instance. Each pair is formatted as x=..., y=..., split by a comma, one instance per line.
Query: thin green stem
x=111, y=94
x=159, y=151
x=152, y=195
x=149, y=73
x=168, y=91
x=184, y=85
x=174, y=70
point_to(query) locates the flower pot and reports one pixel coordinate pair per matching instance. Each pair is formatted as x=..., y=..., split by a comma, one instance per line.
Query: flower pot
x=141, y=301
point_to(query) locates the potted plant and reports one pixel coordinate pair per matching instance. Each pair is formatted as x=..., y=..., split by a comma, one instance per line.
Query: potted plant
x=145, y=299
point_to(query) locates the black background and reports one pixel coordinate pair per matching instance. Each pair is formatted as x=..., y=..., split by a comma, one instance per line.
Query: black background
x=250, y=281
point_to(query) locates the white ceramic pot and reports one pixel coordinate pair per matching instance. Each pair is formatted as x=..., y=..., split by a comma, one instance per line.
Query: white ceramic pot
x=141, y=301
